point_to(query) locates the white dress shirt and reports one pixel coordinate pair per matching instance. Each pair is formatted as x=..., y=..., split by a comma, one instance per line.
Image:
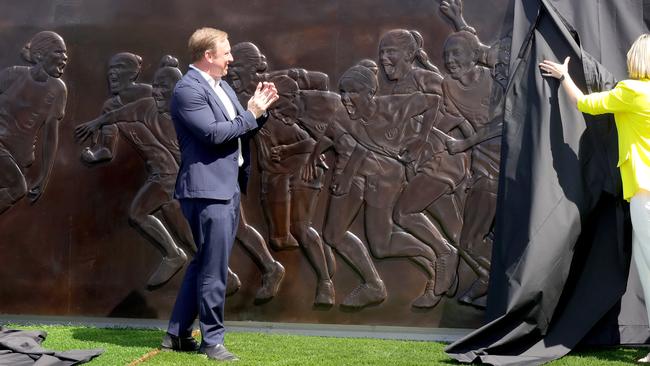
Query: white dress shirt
x=230, y=107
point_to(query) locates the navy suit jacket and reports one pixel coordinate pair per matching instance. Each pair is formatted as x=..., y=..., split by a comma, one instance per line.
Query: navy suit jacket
x=208, y=140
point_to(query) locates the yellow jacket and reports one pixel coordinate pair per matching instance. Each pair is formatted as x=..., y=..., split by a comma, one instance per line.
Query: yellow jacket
x=629, y=101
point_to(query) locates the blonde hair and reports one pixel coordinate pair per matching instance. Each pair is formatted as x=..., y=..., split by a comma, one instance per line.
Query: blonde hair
x=638, y=58
x=204, y=39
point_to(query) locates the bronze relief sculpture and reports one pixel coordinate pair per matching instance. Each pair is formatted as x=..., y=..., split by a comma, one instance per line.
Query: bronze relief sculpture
x=123, y=70
x=282, y=149
x=391, y=154
x=471, y=93
x=146, y=124
x=32, y=101
x=377, y=124
x=323, y=113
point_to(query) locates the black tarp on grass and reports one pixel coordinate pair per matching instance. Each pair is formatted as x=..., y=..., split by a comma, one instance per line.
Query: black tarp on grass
x=23, y=348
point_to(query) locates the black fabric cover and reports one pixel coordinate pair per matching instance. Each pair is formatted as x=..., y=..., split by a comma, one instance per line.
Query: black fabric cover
x=23, y=348
x=562, y=250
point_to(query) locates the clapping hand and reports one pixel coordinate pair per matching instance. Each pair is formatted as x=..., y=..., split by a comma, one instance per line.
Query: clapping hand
x=265, y=94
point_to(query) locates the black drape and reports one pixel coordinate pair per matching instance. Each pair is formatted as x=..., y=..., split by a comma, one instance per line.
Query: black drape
x=23, y=348
x=561, y=255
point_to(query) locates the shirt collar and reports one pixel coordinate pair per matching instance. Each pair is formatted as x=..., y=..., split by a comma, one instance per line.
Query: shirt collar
x=211, y=81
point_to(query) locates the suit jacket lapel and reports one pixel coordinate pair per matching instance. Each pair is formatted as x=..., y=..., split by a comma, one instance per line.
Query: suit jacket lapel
x=233, y=97
x=211, y=93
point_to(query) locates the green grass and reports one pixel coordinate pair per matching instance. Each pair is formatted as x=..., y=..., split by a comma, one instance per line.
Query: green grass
x=123, y=346
x=602, y=356
x=275, y=349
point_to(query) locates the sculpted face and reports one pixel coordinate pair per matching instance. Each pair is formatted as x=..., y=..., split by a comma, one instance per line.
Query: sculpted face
x=241, y=75
x=121, y=73
x=55, y=58
x=355, y=96
x=244, y=72
x=394, y=58
x=163, y=87
x=459, y=57
x=285, y=110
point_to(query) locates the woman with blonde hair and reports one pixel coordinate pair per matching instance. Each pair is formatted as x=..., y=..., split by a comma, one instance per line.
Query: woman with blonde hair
x=629, y=101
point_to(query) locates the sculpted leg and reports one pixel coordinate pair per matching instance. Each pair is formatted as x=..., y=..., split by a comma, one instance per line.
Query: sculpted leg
x=272, y=270
x=447, y=211
x=422, y=192
x=303, y=202
x=178, y=225
x=386, y=243
x=13, y=186
x=148, y=200
x=340, y=214
x=232, y=283
x=276, y=201
x=428, y=299
x=477, y=224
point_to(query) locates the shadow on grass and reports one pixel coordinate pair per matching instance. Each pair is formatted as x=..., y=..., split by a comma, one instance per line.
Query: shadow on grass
x=120, y=337
x=449, y=361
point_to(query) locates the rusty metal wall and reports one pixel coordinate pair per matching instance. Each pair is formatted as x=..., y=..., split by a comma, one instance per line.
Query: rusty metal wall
x=74, y=252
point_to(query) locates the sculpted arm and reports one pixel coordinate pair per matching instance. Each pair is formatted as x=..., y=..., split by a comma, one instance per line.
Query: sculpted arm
x=132, y=112
x=323, y=144
x=281, y=152
x=488, y=131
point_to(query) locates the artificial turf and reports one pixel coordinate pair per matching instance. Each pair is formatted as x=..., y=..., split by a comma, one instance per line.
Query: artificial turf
x=128, y=346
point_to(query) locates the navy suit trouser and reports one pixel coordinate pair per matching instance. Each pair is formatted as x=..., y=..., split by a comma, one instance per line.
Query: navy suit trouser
x=203, y=291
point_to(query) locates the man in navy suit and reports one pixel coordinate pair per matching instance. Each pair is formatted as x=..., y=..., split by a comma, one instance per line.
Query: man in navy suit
x=212, y=127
